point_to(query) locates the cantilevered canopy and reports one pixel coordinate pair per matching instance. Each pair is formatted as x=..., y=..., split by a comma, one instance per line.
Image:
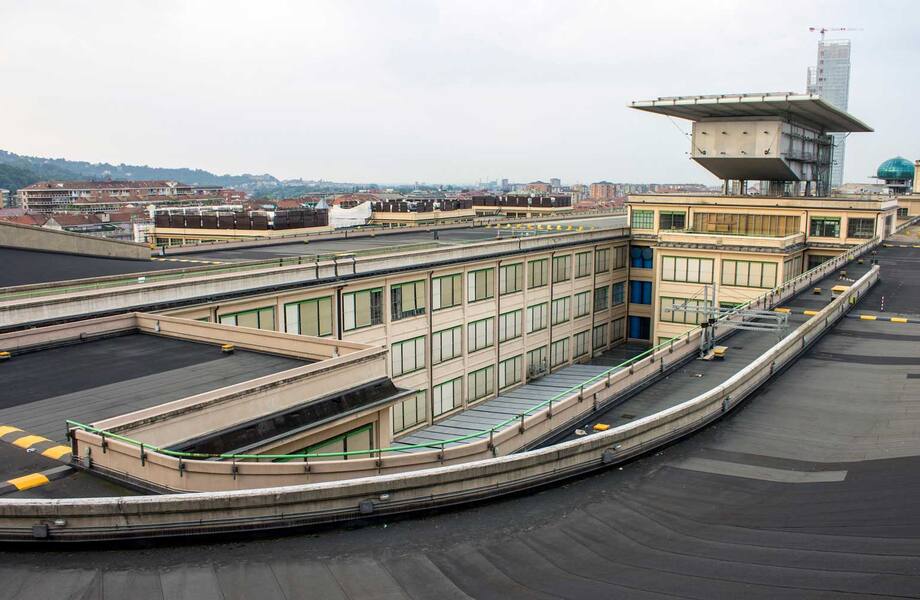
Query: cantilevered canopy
x=806, y=108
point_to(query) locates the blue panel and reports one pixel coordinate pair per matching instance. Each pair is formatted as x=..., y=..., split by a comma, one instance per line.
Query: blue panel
x=634, y=327
x=640, y=328
x=635, y=292
x=646, y=292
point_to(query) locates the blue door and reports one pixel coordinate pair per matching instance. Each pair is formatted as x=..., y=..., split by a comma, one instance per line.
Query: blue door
x=640, y=328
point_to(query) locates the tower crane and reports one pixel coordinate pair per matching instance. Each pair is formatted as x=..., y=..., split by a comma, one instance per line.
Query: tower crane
x=823, y=30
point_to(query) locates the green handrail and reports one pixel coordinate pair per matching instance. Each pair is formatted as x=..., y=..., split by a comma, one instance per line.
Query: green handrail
x=849, y=255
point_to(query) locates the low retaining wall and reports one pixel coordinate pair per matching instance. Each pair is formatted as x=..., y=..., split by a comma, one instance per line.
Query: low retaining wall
x=204, y=513
x=13, y=235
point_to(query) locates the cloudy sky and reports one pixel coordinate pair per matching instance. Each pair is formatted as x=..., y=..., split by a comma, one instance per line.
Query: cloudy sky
x=428, y=91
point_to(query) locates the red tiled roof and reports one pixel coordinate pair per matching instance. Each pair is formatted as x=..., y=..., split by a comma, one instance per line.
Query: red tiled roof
x=35, y=220
x=72, y=220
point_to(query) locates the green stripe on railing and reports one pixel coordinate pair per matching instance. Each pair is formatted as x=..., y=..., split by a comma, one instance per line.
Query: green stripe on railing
x=849, y=255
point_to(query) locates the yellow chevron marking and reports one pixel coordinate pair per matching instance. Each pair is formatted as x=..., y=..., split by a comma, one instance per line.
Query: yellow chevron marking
x=27, y=482
x=56, y=452
x=29, y=441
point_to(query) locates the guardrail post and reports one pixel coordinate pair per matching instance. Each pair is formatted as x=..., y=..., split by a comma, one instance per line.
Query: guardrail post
x=104, y=443
x=233, y=469
x=143, y=454
x=521, y=426
x=549, y=413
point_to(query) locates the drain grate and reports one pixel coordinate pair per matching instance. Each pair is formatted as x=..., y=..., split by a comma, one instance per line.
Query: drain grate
x=628, y=416
x=913, y=375
x=737, y=347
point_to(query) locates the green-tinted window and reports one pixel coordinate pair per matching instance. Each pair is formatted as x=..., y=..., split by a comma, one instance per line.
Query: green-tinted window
x=643, y=219
x=824, y=227
x=259, y=318
x=536, y=273
x=745, y=273
x=668, y=219
x=561, y=268
x=480, y=285
x=362, y=309
x=407, y=299
x=309, y=317
x=446, y=291
x=510, y=278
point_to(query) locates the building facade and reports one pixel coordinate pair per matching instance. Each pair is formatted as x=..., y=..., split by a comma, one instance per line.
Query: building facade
x=462, y=333
x=108, y=196
x=711, y=252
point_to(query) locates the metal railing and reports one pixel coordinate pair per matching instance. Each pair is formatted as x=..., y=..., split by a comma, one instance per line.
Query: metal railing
x=518, y=418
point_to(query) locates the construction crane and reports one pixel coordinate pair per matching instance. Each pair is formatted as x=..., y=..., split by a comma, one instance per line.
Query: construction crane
x=823, y=30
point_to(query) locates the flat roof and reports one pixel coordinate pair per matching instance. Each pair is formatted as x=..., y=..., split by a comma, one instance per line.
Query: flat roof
x=106, y=377
x=26, y=267
x=803, y=107
x=366, y=243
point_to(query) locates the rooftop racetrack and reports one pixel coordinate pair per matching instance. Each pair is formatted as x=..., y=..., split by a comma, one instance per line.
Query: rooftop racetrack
x=806, y=491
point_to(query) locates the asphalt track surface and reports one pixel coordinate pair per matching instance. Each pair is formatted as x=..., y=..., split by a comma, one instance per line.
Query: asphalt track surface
x=25, y=267
x=806, y=491
x=365, y=243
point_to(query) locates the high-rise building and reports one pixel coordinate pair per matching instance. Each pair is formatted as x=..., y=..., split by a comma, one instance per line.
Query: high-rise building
x=830, y=79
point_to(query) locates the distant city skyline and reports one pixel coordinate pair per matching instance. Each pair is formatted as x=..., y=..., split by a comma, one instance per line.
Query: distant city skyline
x=452, y=92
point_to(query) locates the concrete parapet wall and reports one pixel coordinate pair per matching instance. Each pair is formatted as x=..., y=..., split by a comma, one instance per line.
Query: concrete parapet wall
x=202, y=513
x=13, y=235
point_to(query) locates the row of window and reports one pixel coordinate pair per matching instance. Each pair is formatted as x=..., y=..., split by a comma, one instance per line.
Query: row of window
x=830, y=227
x=752, y=224
x=743, y=273
x=446, y=344
x=408, y=356
x=361, y=309
x=667, y=219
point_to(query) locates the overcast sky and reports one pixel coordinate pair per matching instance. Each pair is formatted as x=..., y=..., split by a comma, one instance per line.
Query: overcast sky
x=428, y=91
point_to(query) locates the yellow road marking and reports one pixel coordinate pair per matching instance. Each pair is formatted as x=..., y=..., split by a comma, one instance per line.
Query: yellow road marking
x=29, y=440
x=898, y=320
x=27, y=482
x=868, y=317
x=5, y=429
x=56, y=452
x=783, y=310
x=810, y=313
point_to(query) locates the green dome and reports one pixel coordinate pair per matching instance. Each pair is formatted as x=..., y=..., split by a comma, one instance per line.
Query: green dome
x=896, y=168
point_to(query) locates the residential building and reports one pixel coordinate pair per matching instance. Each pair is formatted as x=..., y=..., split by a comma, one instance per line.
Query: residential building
x=603, y=191
x=112, y=196
x=540, y=187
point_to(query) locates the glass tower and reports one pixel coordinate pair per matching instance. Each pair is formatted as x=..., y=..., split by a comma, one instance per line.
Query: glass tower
x=830, y=79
